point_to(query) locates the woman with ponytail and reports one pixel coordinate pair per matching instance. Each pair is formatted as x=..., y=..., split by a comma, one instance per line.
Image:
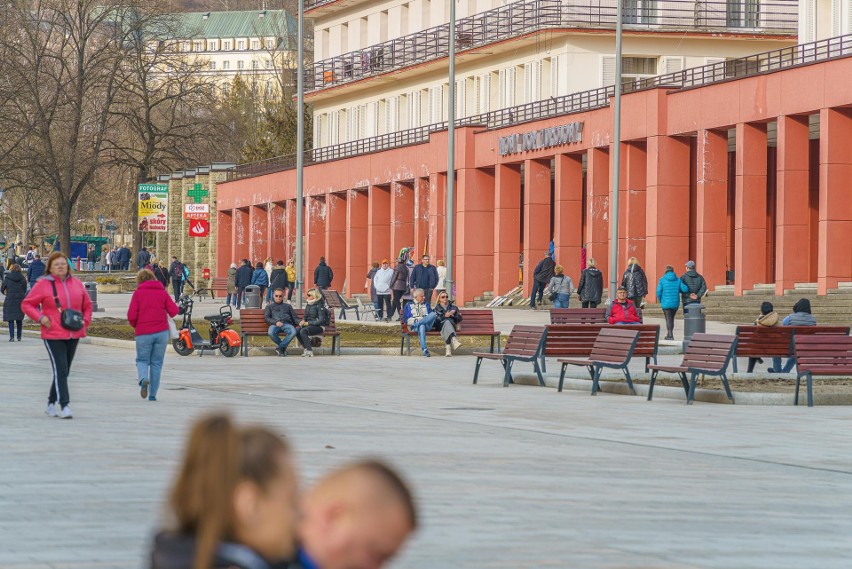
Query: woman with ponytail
x=233, y=503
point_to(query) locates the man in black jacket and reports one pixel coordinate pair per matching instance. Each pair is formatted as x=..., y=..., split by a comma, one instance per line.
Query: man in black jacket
x=124, y=257
x=425, y=276
x=323, y=275
x=541, y=277
x=695, y=284
x=242, y=279
x=176, y=274
x=281, y=318
x=142, y=258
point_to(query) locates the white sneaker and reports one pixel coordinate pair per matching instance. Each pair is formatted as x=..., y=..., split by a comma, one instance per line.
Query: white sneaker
x=456, y=343
x=51, y=410
x=449, y=351
x=308, y=354
x=66, y=413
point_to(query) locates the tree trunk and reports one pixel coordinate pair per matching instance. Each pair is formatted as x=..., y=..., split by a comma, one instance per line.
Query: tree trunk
x=64, y=207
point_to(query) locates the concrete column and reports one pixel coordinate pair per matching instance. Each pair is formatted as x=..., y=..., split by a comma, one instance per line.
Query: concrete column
x=835, y=207
x=750, y=209
x=278, y=231
x=536, y=216
x=378, y=224
x=631, y=214
x=335, y=241
x=667, y=212
x=792, y=209
x=711, y=207
x=421, y=218
x=507, y=227
x=241, y=235
x=474, y=233
x=568, y=212
x=258, y=234
x=437, y=214
x=315, y=212
x=357, y=261
x=597, y=209
x=402, y=217
x=175, y=218
x=224, y=242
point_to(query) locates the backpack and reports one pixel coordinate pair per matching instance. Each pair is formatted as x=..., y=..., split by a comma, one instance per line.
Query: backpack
x=177, y=270
x=323, y=311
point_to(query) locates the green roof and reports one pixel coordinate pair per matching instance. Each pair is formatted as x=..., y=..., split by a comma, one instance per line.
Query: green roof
x=243, y=24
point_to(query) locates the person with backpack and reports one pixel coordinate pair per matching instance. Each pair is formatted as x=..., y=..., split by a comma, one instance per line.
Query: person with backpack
x=669, y=290
x=314, y=323
x=176, y=273
x=242, y=279
x=542, y=274
x=161, y=273
x=260, y=278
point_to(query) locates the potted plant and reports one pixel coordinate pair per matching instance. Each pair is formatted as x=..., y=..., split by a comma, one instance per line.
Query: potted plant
x=108, y=285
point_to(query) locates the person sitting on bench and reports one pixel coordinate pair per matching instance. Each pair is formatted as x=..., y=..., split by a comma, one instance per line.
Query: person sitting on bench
x=447, y=322
x=419, y=316
x=281, y=318
x=623, y=311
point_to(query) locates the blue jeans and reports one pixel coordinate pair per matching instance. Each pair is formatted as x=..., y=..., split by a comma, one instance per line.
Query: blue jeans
x=423, y=326
x=232, y=299
x=562, y=300
x=288, y=329
x=150, y=353
x=776, y=365
x=537, y=290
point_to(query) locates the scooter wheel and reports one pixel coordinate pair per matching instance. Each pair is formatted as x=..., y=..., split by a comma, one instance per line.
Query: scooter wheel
x=227, y=349
x=181, y=348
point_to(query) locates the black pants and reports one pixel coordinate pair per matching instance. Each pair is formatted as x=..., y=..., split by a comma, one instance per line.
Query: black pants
x=240, y=292
x=384, y=302
x=290, y=287
x=637, y=300
x=427, y=292
x=396, y=305
x=752, y=362
x=538, y=288
x=12, y=324
x=177, y=286
x=305, y=333
x=61, y=354
x=590, y=304
x=669, y=313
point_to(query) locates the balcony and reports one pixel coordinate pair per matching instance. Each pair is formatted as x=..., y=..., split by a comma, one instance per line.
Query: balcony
x=746, y=17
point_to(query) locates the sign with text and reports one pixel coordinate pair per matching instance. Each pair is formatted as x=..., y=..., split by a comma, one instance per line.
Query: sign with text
x=199, y=228
x=153, y=208
x=196, y=211
x=570, y=133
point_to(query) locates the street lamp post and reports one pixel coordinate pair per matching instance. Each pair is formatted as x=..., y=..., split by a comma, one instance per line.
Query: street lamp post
x=616, y=158
x=450, y=207
x=101, y=220
x=300, y=152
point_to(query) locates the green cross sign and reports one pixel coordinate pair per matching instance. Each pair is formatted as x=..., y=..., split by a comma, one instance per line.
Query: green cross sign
x=196, y=193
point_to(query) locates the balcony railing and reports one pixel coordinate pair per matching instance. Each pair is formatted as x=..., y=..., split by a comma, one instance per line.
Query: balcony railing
x=767, y=62
x=520, y=18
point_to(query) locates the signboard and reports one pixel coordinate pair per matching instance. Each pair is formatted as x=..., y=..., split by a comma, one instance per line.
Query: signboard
x=153, y=207
x=570, y=133
x=196, y=211
x=199, y=228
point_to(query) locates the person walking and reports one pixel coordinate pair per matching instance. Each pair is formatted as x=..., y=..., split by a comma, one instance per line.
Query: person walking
x=231, y=286
x=261, y=279
x=15, y=289
x=323, y=275
x=370, y=286
x=768, y=318
x=542, y=274
x=35, y=270
x=590, y=289
x=149, y=312
x=278, y=280
x=560, y=288
x=291, y=278
x=91, y=258
x=281, y=318
x=143, y=258
x=425, y=276
x=448, y=318
x=399, y=286
x=243, y=279
x=60, y=303
x=696, y=286
x=801, y=317
x=104, y=253
x=124, y=256
x=315, y=320
x=635, y=281
x=177, y=274
x=382, y=282
x=161, y=273
x=442, y=277
x=669, y=290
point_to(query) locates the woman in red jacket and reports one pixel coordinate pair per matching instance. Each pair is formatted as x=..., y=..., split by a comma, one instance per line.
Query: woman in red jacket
x=58, y=287
x=623, y=311
x=149, y=311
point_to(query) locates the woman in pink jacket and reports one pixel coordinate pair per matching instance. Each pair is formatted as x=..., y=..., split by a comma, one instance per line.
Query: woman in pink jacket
x=40, y=305
x=149, y=311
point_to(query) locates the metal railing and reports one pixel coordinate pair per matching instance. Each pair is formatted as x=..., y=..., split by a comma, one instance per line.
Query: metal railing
x=521, y=18
x=311, y=4
x=758, y=64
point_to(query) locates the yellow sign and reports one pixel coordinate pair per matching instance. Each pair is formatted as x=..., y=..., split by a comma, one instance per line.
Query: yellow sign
x=153, y=207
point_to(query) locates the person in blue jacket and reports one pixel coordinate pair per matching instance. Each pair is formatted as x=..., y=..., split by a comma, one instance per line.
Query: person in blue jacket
x=419, y=317
x=669, y=290
x=260, y=278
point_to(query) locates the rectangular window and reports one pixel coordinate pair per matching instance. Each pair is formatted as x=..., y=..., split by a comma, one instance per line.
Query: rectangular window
x=255, y=44
x=436, y=104
x=241, y=64
x=212, y=66
x=255, y=64
x=226, y=45
x=198, y=46
x=269, y=64
x=632, y=68
x=742, y=13
x=226, y=65
x=270, y=44
x=212, y=45
x=640, y=11
x=241, y=45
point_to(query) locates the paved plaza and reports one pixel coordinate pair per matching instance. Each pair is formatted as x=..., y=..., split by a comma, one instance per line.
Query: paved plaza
x=516, y=477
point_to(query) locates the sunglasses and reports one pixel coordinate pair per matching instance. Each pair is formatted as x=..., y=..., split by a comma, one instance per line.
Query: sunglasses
x=278, y=295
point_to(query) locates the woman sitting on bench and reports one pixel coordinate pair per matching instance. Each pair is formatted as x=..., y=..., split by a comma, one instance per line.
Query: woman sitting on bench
x=316, y=317
x=447, y=322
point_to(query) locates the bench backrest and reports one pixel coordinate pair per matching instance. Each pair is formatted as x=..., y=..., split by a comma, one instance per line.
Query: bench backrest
x=709, y=352
x=578, y=316
x=823, y=351
x=564, y=340
x=614, y=345
x=252, y=322
x=330, y=329
x=474, y=320
x=525, y=341
x=333, y=299
x=755, y=341
x=219, y=282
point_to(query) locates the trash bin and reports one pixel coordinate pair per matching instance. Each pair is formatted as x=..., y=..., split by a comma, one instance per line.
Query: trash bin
x=694, y=321
x=92, y=289
x=252, y=296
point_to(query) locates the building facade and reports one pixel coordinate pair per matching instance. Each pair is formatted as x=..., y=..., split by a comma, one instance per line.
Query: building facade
x=741, y=166
x=380, y=67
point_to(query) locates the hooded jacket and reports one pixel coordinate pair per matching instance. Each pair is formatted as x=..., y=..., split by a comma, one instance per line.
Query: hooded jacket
x=399, y=281
x=34, y=271
x=695, y=283
x=243, y=277
x=15, y=289
x=769, y=320
x=635, y=281
x=71, y=294
x=669, y=290
x=544, y=270
x=591, y=285
x=280, y=312
x=232, y=280
x=176, y=551
x=150, y=308
x=801, y=315
x=323, y=275
x=161, y=274
x=259, y=277
x=279, y=277
x=316, y=314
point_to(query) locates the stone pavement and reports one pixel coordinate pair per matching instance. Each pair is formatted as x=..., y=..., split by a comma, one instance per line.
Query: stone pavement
x=520, y=477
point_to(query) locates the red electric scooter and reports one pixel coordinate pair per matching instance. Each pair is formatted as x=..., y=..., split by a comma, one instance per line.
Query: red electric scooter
x=222, y=338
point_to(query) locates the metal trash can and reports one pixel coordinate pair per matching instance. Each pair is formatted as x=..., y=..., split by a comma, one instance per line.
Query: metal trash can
x=694, y=321
x=92, y=289
x=252, y=296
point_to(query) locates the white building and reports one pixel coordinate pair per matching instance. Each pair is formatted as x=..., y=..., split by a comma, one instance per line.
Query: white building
x=381, y=66
x=821, y=19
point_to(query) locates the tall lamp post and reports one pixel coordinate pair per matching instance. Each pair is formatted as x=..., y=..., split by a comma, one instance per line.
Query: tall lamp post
x=451, y=157
x=616, y=158
x=101, y=220
x=300, y=152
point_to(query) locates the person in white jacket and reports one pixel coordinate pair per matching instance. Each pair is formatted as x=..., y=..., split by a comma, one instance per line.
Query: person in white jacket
x=382, y=281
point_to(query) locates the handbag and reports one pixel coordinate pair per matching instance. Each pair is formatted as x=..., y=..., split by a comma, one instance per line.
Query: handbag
x=173, y=331
x=554, y=294
x=69, y=319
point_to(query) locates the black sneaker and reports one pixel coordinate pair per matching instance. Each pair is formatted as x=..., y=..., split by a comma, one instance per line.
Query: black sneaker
x=282, y=352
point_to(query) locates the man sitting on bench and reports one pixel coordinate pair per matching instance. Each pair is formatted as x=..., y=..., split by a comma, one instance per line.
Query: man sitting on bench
x=623, y=311
x=419, y=316
x=281, y=318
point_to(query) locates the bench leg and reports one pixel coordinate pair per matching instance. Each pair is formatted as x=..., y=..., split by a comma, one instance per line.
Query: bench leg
x=651, y=384
x=810, y=380
x=499, y=350
x=595, y=380
x=734, y=360
x=492, y=345
x=543, y=364
x=538, y=373
x=684, y=382
x=408, y=344
x=357, y=315
x=629, y=381
x=402, y=345
x=798, y=382
x=727, y=388
x=690, y=397
x=476, y=370
x=507, y=377
x=244, y=345
x=562, y=377
x=647, y=363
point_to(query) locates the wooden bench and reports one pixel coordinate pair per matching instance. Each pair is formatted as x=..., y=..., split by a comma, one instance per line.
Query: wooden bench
x=706, y=354
x=335, y=301
x=777, y=341
x=475, y=322
x=525, y=344
x=821, y=355
x=578, y=316
x=613, y=349
x=252, y=323
x=219, y=285
x=578, y=340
